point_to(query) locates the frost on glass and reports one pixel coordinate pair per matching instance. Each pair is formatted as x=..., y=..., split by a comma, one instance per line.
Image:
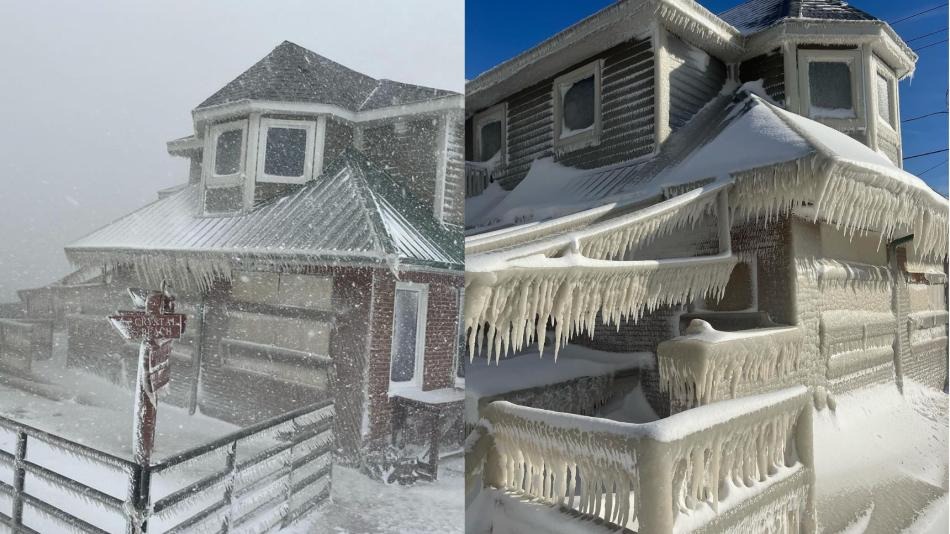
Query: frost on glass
x=286, y=152
x=830, y=87
x=405, y=319
x=884, y=99
x=578, y=104
x=490, y=140
x=227, y=153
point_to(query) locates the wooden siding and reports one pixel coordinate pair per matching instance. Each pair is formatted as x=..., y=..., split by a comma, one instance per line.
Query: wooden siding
x=627, y=109
x=770, y=68
x=410, y=153
x=888, y=142
x=695, y=78
x=339, y=136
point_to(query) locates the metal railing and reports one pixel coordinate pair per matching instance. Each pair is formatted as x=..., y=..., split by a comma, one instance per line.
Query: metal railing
x=263, y=476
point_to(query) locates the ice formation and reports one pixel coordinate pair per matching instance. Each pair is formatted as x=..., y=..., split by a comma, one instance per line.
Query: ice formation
x=705, y=366
x=509, y=306
x=624, y=473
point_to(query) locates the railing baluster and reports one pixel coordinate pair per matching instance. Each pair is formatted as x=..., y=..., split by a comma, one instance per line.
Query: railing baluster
x=229, y=487
x=19, y=478
x=285, y=514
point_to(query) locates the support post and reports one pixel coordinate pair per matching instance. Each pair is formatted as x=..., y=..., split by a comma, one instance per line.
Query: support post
x=725, y=221
x=19, y=477
x=143, y=438
x=229, y=488
x=655, y=470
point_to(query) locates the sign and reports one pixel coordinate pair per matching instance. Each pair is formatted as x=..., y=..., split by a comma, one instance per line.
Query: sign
x=140, y=325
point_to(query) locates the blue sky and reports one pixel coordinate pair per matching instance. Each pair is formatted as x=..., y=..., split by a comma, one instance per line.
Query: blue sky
x=496, y=30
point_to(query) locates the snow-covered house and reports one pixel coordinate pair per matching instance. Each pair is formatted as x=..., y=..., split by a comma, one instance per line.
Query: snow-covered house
x=724, y=193
x=315, y=248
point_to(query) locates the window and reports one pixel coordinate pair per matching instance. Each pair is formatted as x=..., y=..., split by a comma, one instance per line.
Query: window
x=577, y=108
x=286, y=153
x=885, y=99
x=489, y=128
x=408, y=342
x=227, y=159
x=289, y=290
x=831, y=88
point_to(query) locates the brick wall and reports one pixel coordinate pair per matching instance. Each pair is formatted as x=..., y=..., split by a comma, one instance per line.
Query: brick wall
x=440, y=341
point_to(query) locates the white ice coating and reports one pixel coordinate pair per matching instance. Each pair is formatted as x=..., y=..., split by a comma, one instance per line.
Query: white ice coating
x=618, y=471
x=508, y=308
x=706, y=366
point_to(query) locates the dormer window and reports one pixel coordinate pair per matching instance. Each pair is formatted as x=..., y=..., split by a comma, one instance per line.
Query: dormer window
x=287, y=151
x=886, y=102
x=228, y=144
x=490, y=132
x=831, y=84
x=577, y=108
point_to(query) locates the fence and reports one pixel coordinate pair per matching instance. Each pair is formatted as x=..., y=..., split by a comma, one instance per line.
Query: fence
x=258, y=478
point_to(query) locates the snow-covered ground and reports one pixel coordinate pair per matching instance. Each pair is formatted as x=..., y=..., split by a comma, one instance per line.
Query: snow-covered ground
x=364, y=506
x=881, y=461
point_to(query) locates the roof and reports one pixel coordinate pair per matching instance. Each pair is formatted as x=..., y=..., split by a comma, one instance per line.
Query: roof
x=756, y=15
x=354, y=212
x=782, y=151
x=291, y=73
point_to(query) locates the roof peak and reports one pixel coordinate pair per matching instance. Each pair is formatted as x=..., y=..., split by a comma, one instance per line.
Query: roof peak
x=293, y=73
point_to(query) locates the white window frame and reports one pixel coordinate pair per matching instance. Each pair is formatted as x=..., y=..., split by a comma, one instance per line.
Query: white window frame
x=591, y=136
x=498, y=112
x=855, y=64
x=419, y=368
x=213, y=180
x=891, y=98
x=268, y=123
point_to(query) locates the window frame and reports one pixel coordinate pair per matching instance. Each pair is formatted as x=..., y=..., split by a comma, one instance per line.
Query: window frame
x=854, y=60
x=587, y=138
x=419, y=365
x=265, y=125
x=891, y=81
x=498, y=112
x=213, y=180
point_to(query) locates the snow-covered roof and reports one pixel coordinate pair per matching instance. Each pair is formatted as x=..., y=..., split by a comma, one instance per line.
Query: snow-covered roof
x=569, y=264
x=756, y=15
x=705, y=150
x=291, y=73
x=353, y=212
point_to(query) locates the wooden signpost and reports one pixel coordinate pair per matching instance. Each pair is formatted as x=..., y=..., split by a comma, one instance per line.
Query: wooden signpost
x=156, y=325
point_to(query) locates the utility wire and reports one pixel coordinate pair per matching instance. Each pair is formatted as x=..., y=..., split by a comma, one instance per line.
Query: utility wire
x=926, y=154
x=908, y=17
x=925, y=35
x=928, y=46
x=944, y=162
x=912, y=119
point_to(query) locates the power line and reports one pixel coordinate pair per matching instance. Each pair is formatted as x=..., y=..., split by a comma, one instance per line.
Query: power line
x=925, y=35
x=908, y=17
x=928, y=46
x=926, y=154
x=944, y=162
x=912, y=119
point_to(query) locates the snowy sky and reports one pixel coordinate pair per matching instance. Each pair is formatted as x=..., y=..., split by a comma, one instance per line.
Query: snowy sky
x=92, y=91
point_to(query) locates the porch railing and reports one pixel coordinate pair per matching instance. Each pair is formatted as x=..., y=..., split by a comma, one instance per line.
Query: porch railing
x=696, y=372
x=260, y=477
x=649, y=477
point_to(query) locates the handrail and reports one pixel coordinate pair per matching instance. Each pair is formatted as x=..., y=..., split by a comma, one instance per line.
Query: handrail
x=201, y=450
x=647, y=473
x=71, y=446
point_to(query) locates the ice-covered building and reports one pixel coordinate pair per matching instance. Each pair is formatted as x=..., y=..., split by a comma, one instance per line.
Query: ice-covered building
x=725, y=194
x=315, y=249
